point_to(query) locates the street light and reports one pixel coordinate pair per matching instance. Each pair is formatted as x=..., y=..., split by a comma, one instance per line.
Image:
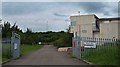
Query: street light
x=0, y=27
x=47, y=26
x=79, y=12
x=0, y=20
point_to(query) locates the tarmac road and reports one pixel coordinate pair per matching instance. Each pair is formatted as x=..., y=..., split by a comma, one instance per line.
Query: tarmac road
x=48, y=55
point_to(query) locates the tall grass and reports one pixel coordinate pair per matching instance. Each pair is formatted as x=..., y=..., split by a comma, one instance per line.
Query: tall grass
x=26, y=49
x=6, y=51
x=103, y=55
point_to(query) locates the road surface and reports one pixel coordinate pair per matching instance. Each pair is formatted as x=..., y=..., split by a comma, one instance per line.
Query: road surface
x=48, y=55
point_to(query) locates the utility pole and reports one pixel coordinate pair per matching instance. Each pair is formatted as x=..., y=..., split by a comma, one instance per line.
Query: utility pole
x=46, y=31
x=0, y=24
x=79, y=12
x=47, y=26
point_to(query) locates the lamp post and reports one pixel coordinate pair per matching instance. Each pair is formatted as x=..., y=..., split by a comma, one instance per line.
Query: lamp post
x=47, y=26
x=0, y=20
x=0, y=25
x=79, y=12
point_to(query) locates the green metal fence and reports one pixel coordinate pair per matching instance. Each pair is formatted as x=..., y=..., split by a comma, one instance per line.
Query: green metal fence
x=97, y=50
x=11, y=47
x=6, y=48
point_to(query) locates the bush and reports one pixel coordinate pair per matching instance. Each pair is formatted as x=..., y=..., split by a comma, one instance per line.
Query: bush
x=64, y=41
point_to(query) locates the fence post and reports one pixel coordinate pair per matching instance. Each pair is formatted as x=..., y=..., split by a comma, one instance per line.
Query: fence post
x=15, y=45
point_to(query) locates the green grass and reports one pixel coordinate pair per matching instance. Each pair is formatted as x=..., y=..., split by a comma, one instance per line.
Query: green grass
x=6, y=53
x=0, y=53
x=26, y=49
x=0, y=57
x=102, y=55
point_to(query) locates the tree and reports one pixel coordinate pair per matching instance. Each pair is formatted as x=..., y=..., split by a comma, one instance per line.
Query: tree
x=28, y=31
x=7, y=29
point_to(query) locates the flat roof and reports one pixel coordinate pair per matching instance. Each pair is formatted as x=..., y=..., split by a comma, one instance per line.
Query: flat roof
x=98, y=19
x=82, y=15
x=108, y=19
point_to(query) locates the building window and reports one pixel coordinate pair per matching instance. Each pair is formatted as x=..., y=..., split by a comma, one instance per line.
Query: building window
x=73, y=23
x=94, y=26
x=106, y=21
x=75, y=34
x=84, y=31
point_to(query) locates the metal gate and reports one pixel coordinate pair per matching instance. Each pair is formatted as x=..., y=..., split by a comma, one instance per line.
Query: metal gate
x=6, y=48
x=11, y=47
x=76, y=47
x=15, y=43
x=88, y=48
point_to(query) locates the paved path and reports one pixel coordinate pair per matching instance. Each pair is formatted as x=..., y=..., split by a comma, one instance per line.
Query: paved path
x=48, y=55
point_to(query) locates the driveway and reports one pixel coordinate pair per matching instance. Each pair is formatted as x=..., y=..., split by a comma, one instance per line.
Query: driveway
x=48, y=55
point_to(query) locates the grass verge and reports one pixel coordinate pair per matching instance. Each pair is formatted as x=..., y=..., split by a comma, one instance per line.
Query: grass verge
x=6, y=52
x=26, y=49
x=102, y=55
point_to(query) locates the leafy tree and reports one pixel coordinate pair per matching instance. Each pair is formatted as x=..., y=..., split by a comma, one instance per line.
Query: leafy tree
x=59, y=39
x=7, y=29
x=28, y=31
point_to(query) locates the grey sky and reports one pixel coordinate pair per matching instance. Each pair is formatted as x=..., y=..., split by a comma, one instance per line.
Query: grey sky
x=35, y=15
x=60, y=0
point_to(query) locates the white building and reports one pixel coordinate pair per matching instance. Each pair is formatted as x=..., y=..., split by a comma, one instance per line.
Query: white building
x=92, y=26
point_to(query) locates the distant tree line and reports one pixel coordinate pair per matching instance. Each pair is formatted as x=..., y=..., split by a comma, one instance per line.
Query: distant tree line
x=59, y=39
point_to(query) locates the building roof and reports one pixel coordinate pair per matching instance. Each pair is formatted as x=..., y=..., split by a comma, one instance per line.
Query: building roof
x=108, y=19
x=98, y=19
x=84, y=15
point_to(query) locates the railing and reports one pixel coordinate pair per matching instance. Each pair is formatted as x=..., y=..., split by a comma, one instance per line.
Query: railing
x=6, y=48
x=98, y=50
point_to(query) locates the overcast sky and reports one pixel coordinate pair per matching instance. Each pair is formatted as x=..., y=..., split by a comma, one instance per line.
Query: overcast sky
x=60, y=0
x=38, y=15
